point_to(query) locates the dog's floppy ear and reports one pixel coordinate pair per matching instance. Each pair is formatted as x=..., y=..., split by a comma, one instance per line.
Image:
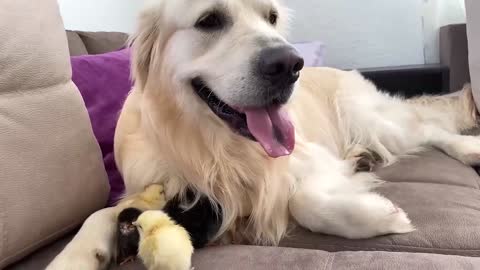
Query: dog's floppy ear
x=143, y=43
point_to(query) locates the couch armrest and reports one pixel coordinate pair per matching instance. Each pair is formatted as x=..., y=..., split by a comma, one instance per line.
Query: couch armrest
x=454, y=54
x=52, y=174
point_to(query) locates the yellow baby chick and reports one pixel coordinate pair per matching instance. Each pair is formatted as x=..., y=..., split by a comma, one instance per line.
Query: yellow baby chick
x=153, y=197
x=164, y=245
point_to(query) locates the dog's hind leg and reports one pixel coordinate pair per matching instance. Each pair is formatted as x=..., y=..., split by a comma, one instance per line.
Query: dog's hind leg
x=461, y=147
x=329, y=198
x=404, y=126
x=443, y=119
x=94, y=246
x=455, y=112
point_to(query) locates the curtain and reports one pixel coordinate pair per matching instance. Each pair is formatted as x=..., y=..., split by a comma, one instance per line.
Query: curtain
x=473, y=17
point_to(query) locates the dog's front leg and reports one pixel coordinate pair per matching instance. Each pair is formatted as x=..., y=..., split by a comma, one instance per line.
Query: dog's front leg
x=94, y=246
x=329, y=198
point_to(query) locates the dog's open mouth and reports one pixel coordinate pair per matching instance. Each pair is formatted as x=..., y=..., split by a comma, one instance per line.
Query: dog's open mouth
x=269, y=125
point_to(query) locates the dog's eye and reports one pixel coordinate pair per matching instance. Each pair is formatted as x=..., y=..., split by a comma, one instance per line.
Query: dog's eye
x=273, y=17
x=211, y=22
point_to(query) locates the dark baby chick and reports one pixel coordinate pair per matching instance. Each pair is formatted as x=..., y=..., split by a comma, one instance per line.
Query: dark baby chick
x=127, y=236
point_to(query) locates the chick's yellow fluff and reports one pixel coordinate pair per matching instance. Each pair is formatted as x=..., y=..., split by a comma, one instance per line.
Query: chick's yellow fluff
x=164, y=245
x=153, y=197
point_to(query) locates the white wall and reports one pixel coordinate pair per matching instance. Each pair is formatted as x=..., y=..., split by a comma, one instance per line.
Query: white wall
x=357, y=33
x=436, y=14
x=100, y=15
x=366, y=33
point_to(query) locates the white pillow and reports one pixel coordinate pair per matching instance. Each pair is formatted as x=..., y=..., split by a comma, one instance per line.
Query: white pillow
x=312, y=53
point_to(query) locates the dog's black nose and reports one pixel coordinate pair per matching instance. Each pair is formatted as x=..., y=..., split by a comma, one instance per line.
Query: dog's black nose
x=280, y=64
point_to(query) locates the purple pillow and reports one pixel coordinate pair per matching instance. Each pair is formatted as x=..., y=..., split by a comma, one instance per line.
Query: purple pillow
x=104, y=83
x=312, y=52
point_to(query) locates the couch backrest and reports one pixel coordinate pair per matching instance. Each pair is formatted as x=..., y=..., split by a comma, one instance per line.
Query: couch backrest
x=81, y=43
x=52, y=174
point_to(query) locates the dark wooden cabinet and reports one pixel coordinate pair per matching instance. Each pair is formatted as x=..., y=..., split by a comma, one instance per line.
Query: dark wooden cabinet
x=410, y=81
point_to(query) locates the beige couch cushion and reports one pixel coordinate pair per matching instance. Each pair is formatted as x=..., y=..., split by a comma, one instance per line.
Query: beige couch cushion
x=52, y=175
x=103, y=42
x=81, y=43
x=270, y=258
x=441, y=195
x=261, y=258
x=442, y=198
x=473, y=31
x=75, y=44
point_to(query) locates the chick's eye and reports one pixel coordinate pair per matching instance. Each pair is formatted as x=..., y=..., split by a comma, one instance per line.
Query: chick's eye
x=273, y=17
x=210, y=22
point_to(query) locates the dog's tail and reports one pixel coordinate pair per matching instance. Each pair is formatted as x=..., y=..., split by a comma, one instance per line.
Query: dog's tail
x=458, y=107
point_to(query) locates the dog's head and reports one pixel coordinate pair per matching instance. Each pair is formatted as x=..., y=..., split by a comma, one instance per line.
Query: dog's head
x=228, y=57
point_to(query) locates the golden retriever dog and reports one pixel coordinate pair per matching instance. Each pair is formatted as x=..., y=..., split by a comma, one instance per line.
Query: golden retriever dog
x=222, y=104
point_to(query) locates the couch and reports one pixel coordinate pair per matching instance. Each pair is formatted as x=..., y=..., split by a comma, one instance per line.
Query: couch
x=52, y=175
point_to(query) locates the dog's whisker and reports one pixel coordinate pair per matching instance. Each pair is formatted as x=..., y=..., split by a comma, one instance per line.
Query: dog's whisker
x=203, y=89
x=209, y=95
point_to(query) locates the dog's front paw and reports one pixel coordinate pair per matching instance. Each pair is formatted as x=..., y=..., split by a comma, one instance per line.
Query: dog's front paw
x=81, y=259
x=93, y=246
x=371, y=215
x=384, y=217
x=398, y=222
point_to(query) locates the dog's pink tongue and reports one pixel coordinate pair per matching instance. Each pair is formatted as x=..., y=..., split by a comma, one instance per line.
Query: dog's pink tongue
x=273, y=130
